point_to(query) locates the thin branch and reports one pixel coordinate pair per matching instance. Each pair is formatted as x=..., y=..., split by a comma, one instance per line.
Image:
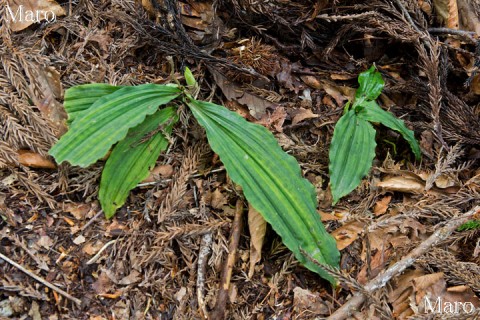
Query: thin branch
x=354, y=303
x=219, y=310
x=41, y=280
x=202, y=264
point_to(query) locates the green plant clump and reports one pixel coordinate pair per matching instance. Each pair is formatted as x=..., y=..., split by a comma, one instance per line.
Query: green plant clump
x=135, y=121
x=469, y=225
x=353, y=144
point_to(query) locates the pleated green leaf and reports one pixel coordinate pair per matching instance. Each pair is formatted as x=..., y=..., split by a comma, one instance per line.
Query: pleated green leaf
x=133, y=157
x=372, y=112
x=351, y=154
x=82, y=97
x=371, y=86
x=108, y=120
x=271, y=181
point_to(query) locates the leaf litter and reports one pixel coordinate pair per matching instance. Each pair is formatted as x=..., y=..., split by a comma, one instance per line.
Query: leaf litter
x=290, y=66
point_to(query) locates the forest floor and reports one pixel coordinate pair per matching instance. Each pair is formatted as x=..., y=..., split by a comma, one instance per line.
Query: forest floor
x=290, y=66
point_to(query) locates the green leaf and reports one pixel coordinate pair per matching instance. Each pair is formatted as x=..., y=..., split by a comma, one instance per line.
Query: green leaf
x=371, y=86
x=351, y=154
x=80, y=98
x=271, y=181
x=372, y=112
x=189, y=78
x=132, y=158
x=108, y=120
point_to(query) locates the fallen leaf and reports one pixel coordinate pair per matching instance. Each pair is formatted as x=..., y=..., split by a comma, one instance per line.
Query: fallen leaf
x=34, y=160
x=159, y=172
x=78, y=210
x=469, y=14
x=255, y=104
x=218, y=200
x=133, y=277
x=115, y=228
x=340, y=93
x=402, y=184
x=23, y=13
x=445, y=181
x=325, y=216
x=382, y=205
x=35, y=311
x=46, y=88
x=301, y=114
x=180, y=294
x=312, y=81
x=257, y=227
x=92, y=248
x=377, y=264
x=79, y=240
x=103, y=284
x=45, y=242
x=275, y=119
x=347, y=234
x=305, y=301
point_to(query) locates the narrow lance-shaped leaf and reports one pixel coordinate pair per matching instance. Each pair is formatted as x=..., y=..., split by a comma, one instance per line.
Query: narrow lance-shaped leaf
x=351, y=154
x=372, y=112
x=133, y=157
x=271, y=181
x=82, y=97
x=108, y=120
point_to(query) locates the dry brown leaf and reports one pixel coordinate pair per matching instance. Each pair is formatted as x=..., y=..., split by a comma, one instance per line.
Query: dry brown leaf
x=275, y=119
x=103, y=284
x=45, y=242
x=162, y=171
x=46, y=88
x=475, y=84
x=78, y=210
x=306, y=301
x=79, y=240
x=115, y=229
x=377, y=264
x=382, y=205
x=34, y=160
x=312, y=81
x=446, y=181
x=92, y=248
x=469, y=13
x=255, y=104
x=257, y=227
x=218, y=200
x=340, y=93
x=301, y=114
x=7, y=214
x=325, y=216
x=402, y=184
x=401, y=294
x=24, y=13
x=133, y=277
x=347, y=234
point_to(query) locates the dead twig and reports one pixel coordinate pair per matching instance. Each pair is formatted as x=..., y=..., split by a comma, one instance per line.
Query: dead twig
x=202, y=264
x=98, y=214
x=99, y=253
x=354, y=303
x=41, y=280
x=219, y=310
